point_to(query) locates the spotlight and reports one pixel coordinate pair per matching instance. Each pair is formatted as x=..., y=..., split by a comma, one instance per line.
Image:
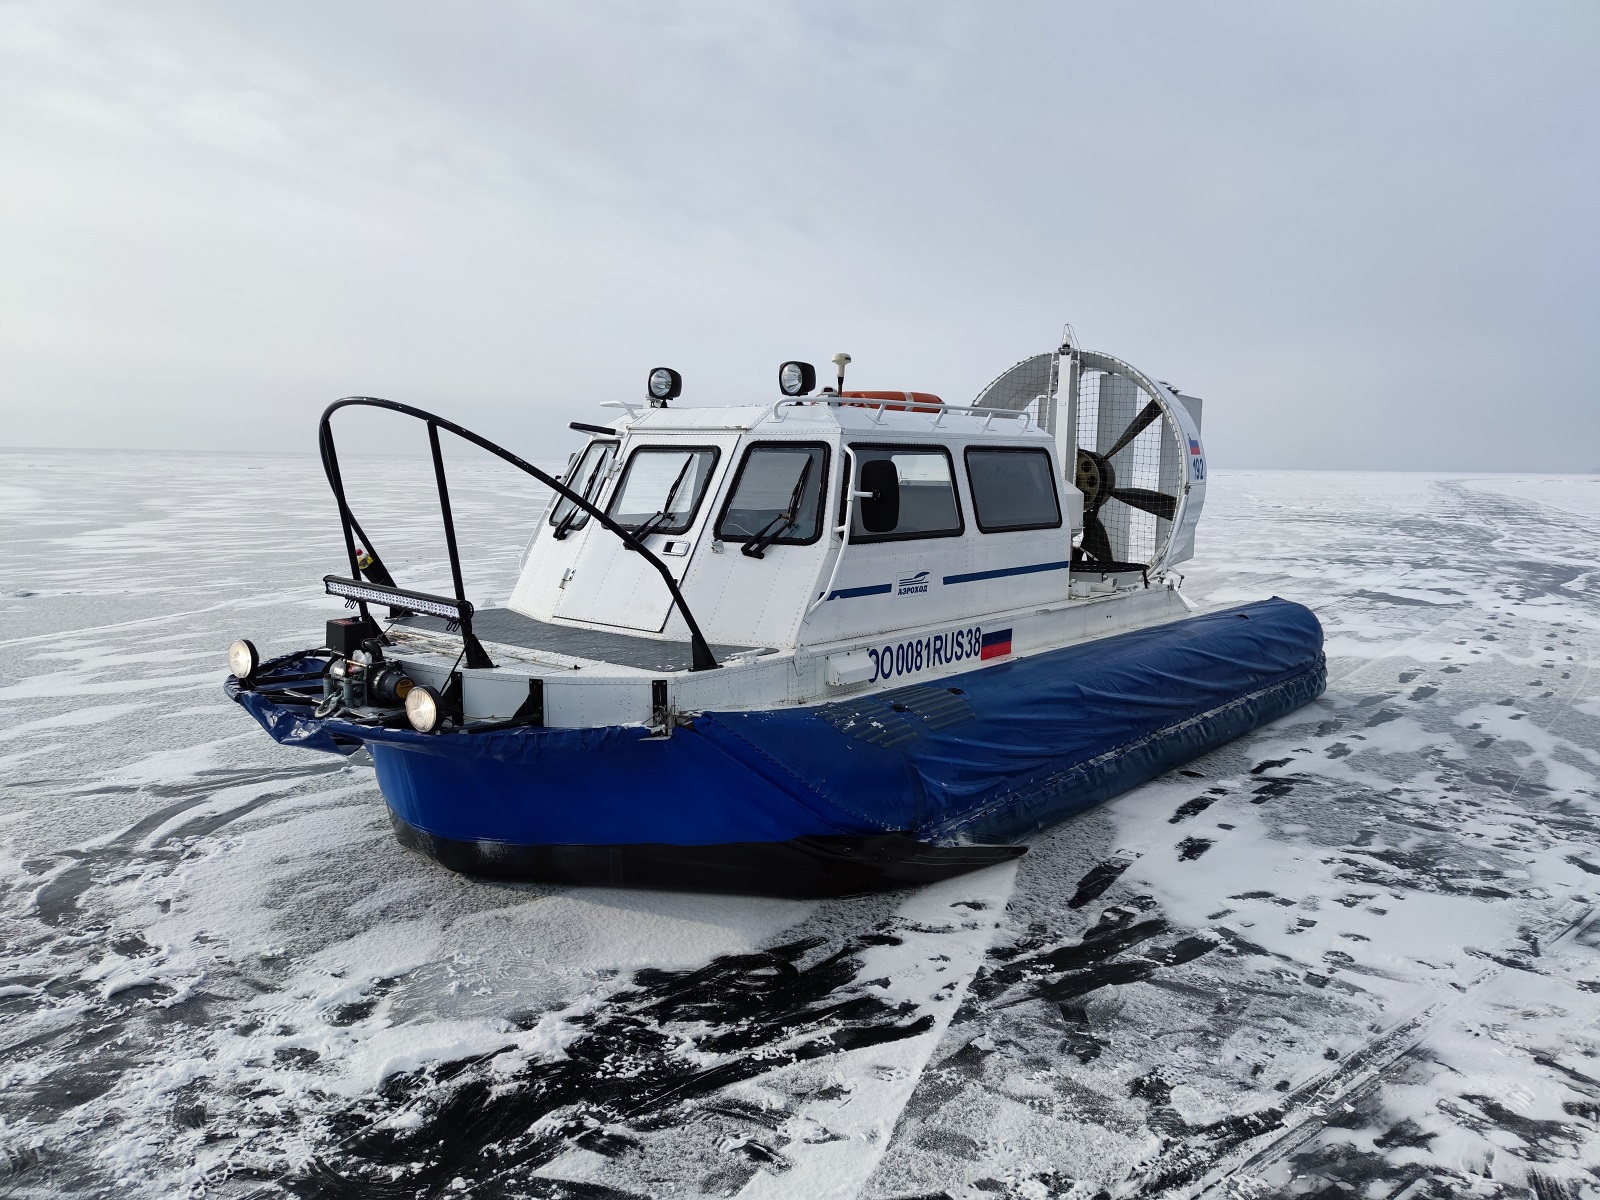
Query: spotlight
x=796, y=378
x=243, y=660
x=424, y=709
x=664, y=384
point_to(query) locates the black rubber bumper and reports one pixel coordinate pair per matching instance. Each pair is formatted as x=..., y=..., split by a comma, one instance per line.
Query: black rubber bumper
x=804, y=868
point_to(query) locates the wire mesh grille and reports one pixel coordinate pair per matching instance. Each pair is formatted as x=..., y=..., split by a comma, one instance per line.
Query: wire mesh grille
x=1021, y=386
x=1133, y=474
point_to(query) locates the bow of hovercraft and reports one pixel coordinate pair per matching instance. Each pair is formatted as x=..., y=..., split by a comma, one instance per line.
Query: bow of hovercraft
x=923, y=640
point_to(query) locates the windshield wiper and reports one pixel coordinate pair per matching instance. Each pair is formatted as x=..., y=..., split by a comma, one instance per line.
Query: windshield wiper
x=661, y=514
x=774, y=529
x=566, y=523
x=590, y=490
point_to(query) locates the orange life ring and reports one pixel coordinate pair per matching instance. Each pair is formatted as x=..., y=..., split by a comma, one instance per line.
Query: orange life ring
x=902, y=401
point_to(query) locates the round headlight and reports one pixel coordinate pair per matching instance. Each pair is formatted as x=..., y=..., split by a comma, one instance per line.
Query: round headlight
x=243, y=659
x=796, y=378
x=423, y=709
x=665, y=383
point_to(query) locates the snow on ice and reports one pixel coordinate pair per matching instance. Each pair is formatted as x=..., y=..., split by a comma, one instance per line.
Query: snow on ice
x=1355, y=954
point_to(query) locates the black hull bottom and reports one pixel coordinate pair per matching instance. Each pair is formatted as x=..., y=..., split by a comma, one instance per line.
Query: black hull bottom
x=802, y=868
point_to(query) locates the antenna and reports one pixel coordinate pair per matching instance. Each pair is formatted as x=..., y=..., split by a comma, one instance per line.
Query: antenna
x=840, y=360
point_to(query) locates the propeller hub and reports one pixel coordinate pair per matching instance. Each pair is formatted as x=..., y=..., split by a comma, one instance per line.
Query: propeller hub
x=1096, y=479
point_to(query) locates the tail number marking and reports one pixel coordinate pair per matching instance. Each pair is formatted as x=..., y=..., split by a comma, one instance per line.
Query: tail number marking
x=926, y=653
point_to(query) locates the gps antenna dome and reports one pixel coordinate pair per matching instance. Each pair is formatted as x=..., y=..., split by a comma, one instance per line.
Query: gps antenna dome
x=841, y=360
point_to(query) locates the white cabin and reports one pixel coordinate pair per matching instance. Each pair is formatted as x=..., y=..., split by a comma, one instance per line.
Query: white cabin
x=979, y=501
x=829, y=545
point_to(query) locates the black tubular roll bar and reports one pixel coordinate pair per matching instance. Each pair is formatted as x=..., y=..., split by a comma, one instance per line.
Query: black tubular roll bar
x=377, y=573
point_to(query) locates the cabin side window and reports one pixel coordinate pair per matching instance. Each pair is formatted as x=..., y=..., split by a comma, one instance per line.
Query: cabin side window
x=777, y=495
x=585, y=478
x=1012, y=489
x=913, y=494
x=661, y=488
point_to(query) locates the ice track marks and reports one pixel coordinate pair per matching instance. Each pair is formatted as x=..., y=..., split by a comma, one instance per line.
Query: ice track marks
x=655, y=1057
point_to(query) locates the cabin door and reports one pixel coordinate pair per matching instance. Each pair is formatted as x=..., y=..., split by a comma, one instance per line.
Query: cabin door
x=658, y=499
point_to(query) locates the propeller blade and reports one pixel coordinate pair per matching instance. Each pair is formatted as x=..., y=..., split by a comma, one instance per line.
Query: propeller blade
x=1159, y=503
x=1096, y=543
x=1140, y=423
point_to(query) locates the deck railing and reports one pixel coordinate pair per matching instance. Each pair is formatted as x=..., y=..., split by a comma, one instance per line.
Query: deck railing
x=375, y=572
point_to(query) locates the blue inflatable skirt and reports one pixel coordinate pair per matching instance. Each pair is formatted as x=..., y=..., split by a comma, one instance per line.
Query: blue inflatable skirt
x=888, y=790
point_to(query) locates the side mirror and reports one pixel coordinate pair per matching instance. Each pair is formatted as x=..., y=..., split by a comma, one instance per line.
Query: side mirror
x=881, y=512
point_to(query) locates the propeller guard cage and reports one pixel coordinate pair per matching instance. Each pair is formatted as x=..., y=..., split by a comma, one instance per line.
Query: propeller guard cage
x=1139, y=462
x=1127, y=442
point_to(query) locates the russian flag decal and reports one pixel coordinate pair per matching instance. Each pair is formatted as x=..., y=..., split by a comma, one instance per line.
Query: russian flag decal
x=996, y=644
x=1194, y=446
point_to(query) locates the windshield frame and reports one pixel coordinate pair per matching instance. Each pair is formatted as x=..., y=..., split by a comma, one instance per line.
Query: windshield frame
x=692, y=513
x=563, y=508
x=823, y=483
x=1049, y=475
x=850, y=512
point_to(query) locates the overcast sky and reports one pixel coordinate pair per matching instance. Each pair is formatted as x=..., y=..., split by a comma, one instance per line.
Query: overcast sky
x=1365, y=233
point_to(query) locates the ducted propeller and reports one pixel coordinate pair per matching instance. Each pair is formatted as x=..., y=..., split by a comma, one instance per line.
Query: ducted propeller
x=1097, y=480
x=1162, y=476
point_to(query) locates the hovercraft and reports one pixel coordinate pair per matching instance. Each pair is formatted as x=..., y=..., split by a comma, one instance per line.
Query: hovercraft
x=825, y=644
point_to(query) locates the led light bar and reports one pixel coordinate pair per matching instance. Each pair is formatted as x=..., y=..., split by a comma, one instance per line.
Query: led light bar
x=417, y=602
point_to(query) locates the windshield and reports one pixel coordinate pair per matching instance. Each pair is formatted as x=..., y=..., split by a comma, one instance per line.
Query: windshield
x=778, y=495
x=661, y=488
x=585, y=478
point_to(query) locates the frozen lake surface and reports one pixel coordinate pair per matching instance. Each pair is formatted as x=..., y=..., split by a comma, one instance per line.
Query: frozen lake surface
x=1355, y=954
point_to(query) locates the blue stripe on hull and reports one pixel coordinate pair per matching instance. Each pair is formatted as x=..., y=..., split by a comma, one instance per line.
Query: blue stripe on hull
x=1002, y=572
x=990, y=755
x=873, y=589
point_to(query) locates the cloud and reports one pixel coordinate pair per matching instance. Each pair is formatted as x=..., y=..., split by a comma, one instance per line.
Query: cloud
x=1361, y=232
